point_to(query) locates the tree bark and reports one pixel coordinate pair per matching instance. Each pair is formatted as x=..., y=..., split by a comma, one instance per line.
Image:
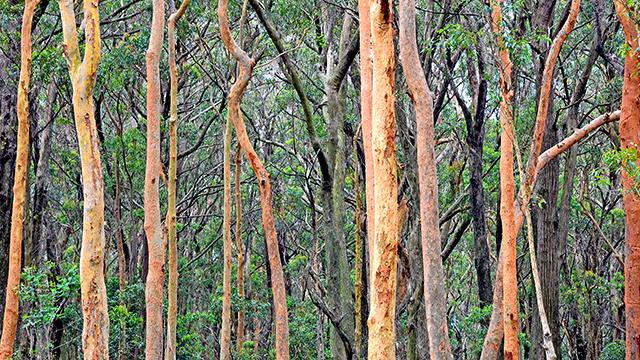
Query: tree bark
x=8, y=142
x=507, y=195
x=434, y=290
x=494, y=336
x=152, y=223
x=475, y=141
x=246, y=64
x=339, y=287
x=384, y=247
x=629, y=140
x=170, y=222
x=240, y=251
x=95, y=331
x=225, y=331
x=366, y=78
x=10, y=318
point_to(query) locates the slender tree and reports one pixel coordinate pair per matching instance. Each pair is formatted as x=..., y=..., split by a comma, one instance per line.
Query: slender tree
x=95, y=330
x=240, y=250
x=357, y=336
x=245, y=69
x=507, y=193
x=434, y=290
x=629, y=140
x=152, y=223
x=170, y=223
x=498, y=320
x=384, y=249
x=366, y=77
x=10, y=318
x=225, y=331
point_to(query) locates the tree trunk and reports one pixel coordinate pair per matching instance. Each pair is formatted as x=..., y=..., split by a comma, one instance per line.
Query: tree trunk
x=246, y=64
x=95, y=331
x=366, y=78
x=494, y=336
x=8, y=133
x=240, y=251
x=384, y=247
x=475, y=141
x=225, y=331
x=339, y=287
x=434, y=290
x=152, y=224
x=507, y=195
x=10, y=318
x=629, y=140
x=546, y=247
x=170, y=222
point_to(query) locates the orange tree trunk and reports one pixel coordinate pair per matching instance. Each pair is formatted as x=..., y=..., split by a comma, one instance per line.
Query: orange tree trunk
x=507, y=195
x=95, y=331
x=245, y=65
x=10, y=319
x=364, y=16
x=384, y=246
x=495, y=332
x=434, y=290
x=152, y=225
x=629, y=140
x=170, y=223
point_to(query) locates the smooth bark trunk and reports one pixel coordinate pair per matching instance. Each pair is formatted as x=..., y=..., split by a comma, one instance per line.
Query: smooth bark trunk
x=170, y=222
x=154, y=283
x=629, y=140
x=245, y=65
x=435, y=292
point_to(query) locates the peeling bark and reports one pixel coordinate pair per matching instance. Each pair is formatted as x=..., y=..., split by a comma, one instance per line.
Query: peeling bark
x=95, y=331
x=384, y=246
x=10, y=318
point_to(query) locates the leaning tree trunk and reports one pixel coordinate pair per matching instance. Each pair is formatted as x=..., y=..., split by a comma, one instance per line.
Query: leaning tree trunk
x=434, y=290
x=629, y=140
x=172, y=238
x=384, y=247
x=95, y=331
x=10, y=318
x=245, y=65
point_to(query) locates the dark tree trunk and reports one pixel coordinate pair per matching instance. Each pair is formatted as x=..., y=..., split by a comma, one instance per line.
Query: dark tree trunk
x=546, y=215
x=547, y=246
x=9, y=61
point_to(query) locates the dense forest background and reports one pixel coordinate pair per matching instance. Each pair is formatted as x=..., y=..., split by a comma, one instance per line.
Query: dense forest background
x=302, y=109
